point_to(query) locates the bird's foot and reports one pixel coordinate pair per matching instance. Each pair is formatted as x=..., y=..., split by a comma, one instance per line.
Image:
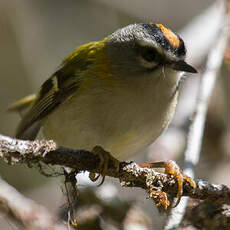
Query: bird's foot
x=105, y=158
x=171, y=168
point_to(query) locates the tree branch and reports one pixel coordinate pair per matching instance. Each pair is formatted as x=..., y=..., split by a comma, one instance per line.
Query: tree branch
x=130, y=174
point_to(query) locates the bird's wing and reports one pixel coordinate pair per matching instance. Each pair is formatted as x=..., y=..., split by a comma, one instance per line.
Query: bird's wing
x=59, y=87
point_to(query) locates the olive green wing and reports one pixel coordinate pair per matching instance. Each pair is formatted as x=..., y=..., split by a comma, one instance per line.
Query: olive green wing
x=61, y=85
x=58, y=88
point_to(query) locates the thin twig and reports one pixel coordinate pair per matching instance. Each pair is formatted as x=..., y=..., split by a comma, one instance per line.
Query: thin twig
x=195, y=135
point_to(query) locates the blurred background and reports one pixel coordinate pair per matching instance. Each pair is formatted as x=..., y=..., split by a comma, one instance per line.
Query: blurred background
x=35, y=36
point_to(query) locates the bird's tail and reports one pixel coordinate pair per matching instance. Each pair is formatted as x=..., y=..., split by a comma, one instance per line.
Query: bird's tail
x=22, y=105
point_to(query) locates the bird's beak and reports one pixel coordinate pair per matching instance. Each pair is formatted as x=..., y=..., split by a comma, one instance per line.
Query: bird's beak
x=183, y=66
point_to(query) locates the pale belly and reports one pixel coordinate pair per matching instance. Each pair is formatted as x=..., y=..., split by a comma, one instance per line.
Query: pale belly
x=123, y=123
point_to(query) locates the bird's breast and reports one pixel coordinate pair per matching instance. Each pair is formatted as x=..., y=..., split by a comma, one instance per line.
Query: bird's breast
x=123, y=118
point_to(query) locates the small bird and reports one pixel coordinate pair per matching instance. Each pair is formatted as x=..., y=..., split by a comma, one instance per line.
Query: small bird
x=119, y=93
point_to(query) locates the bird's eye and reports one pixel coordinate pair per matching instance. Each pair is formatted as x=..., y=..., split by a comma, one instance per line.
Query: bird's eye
x=148, y=54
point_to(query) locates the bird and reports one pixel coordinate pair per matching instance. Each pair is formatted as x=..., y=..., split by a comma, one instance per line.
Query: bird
x=119, y=93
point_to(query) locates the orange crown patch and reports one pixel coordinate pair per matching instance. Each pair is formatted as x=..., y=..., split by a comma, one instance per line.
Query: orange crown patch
x=170, y=36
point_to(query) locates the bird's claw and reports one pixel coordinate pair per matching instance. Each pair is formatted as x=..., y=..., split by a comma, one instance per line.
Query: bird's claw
x=172, y=168
x=105, y=158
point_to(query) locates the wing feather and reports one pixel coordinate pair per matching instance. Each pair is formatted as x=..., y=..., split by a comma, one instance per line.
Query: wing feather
x=59, y=87
x=47, y=100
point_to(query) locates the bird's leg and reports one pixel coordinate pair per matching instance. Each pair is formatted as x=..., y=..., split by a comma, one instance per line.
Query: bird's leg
x=105, y=158
x=172, y=168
